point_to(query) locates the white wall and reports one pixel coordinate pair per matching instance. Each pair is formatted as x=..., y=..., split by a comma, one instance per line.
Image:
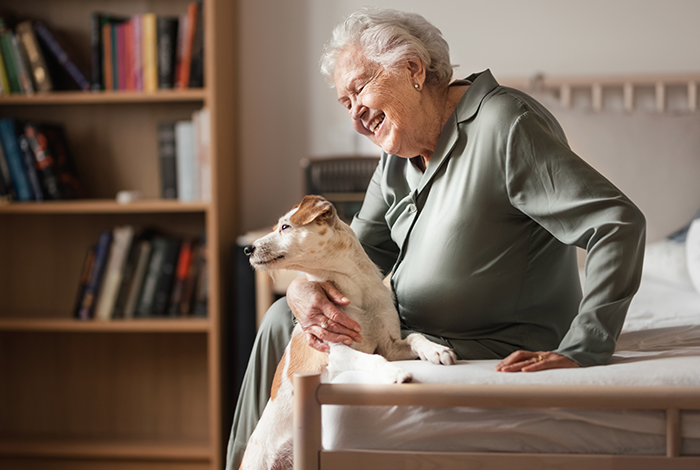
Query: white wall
x=288, y=112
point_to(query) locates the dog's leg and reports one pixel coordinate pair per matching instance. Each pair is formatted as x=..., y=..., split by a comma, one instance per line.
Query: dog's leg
x=426, y=350
x=269, y=445
x=418, y=346
x=344, y=358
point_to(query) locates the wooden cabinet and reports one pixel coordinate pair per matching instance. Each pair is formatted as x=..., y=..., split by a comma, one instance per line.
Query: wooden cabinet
x=115, y=394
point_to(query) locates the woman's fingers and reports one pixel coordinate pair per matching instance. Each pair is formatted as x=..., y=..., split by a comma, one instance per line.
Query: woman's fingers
x=315, y=306
x=529, y=361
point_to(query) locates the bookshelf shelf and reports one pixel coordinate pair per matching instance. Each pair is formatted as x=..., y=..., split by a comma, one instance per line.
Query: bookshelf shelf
x=105, y=97
x=104, y=206
x=106, y=449
x=160, y=325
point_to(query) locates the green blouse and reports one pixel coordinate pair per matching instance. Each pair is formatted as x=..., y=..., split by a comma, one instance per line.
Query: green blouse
x=482, y=244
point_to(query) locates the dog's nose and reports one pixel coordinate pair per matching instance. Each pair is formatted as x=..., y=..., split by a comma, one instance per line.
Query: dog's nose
x=248, y=250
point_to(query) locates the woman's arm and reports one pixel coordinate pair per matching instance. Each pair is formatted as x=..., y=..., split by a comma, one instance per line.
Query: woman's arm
x=578, y=206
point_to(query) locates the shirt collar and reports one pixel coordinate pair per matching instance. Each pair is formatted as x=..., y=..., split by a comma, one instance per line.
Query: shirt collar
x=482, y=84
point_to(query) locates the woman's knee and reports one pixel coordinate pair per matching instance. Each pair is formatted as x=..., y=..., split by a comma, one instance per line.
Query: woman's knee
x=278, y=322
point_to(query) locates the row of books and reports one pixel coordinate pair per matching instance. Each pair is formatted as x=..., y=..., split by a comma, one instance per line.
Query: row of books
x=145, y=52
x=36, y=162
x=33, y=60
x=185, y=158
x=143, y=274
x=148, y=52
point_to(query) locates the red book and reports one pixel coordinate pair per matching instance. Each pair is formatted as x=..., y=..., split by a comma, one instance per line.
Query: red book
x=186, y=60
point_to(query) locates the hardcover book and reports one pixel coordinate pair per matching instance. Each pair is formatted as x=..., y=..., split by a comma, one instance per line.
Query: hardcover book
x=167, y=45
x=92, y=290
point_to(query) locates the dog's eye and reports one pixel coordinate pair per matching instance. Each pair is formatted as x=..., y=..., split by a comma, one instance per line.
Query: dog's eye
x=284, y=227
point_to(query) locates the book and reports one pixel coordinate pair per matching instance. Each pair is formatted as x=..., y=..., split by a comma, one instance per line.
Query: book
x=88, y=263
x=186, y=60
x=180, y=48
x=166, y=276
x=13, y=154
x=122, y=238
x=92, y=290
x=8, y=191
x=149, y=52
x=187, y=172
x=121, y=59
x=22, y=66
x=4, y=82
x=202, y=125
x=30, y=167
x=144, y=307
x=197, y=56
x=200, y=301
x=8, y=57
x=182, y=273
x=107, y=63
x=37, y=63
x=190, y=282
x=71, y=187
x=137, y=52
x=166, y=30
x=167, y=159
x=129, y=79
x=59, y=52
x=141, y=259
x=45, y=163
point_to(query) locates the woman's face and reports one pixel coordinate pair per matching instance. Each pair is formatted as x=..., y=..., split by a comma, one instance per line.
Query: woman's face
x=383, y=104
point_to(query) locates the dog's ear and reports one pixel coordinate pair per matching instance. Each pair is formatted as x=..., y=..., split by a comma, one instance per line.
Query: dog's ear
x=313, y=208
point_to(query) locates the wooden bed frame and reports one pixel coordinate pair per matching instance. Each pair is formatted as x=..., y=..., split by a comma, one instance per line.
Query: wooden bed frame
x=310, y=395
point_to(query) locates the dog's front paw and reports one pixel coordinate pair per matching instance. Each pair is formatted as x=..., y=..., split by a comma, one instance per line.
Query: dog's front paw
x=439, y=355
x=397, y=375
x=426, y=350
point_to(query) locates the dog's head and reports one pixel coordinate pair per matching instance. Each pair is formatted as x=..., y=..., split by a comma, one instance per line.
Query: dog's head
x=300, y=238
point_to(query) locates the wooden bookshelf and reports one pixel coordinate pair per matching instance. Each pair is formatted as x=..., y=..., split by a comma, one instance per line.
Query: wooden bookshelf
x=104, y=97
x=141, y=393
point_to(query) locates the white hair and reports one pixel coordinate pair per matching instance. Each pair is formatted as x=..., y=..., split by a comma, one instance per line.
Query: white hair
x=390, y=38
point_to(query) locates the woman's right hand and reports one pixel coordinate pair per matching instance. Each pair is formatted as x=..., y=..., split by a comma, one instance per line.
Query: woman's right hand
x=315, y=306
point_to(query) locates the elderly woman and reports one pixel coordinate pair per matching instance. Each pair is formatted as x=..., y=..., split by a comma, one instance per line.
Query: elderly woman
x=476, y=209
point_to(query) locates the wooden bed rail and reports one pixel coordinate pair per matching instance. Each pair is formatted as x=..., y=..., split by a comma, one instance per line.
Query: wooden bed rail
x=310, y=395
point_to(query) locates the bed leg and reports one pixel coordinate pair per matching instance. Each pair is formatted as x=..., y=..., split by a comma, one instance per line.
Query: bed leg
x=307, y=421
x=673, y=432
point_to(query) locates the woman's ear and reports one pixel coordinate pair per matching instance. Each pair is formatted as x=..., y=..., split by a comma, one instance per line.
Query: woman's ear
x=416, y=70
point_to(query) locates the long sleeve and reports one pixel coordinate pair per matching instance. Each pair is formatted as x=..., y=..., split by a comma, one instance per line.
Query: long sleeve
x=558, y=190
x=370, y=225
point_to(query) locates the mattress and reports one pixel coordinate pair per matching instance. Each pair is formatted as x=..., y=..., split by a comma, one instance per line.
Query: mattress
x=659, y=346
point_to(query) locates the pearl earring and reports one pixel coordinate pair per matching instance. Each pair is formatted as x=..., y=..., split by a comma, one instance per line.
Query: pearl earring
x=416, y=86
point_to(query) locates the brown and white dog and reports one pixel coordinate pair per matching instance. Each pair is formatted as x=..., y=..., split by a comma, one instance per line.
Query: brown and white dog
x=312, y=239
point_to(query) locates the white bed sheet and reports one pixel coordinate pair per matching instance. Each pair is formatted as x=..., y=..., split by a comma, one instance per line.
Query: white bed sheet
x=659, y=345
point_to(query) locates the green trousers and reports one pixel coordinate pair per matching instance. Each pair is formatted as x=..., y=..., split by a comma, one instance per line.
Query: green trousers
x=273, y=335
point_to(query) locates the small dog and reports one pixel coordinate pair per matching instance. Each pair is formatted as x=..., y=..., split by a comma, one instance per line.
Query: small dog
x=312, y=239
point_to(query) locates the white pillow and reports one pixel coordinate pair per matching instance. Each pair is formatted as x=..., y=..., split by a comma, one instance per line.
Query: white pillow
x=667, y=260
x=693, y=253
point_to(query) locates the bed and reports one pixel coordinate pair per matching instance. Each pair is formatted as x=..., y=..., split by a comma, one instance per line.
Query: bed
x=642, y=411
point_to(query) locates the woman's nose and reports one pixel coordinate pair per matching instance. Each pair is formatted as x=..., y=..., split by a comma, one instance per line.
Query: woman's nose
x=357, y=110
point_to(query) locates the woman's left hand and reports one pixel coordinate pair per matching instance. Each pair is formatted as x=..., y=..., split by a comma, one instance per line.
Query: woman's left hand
x=529, y=361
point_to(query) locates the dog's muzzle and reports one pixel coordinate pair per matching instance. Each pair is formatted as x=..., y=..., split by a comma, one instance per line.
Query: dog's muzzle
x=249, y=250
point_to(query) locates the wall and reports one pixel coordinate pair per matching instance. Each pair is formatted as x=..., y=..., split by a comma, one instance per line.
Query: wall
x=288, y=112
